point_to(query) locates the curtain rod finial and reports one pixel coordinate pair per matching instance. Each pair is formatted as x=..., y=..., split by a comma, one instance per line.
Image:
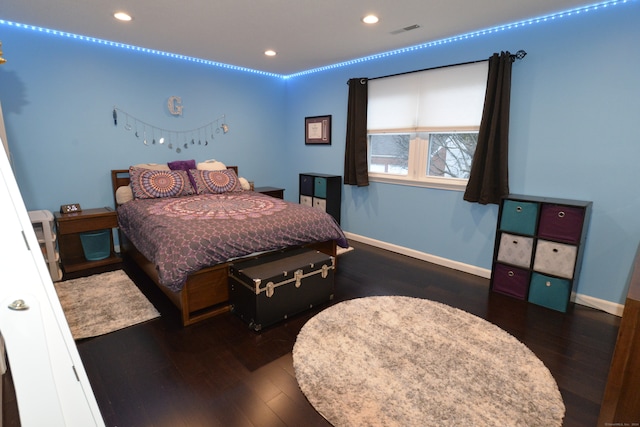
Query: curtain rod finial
x=520, y=54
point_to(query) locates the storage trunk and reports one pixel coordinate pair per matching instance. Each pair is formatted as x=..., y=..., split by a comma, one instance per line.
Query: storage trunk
x=266, y=290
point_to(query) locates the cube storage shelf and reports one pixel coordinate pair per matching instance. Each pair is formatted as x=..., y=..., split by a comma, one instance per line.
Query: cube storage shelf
x=538, y=249
x=322, y=191
x=44, y=227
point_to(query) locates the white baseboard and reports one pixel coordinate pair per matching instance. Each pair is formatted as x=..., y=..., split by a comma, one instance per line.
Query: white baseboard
x=588, y=301
x=600, y=304
x=445, y=262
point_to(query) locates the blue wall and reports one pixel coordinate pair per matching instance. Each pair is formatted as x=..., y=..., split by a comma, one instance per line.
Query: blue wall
x=58, y=95
x=575, y=99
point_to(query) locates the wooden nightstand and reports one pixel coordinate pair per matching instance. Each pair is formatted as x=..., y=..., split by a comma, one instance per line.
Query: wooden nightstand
x=69, y=228
x=278, y=193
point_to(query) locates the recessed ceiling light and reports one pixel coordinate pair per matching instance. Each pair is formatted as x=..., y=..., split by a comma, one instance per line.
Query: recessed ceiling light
x=122, y=16
x=270, y=52
x=370, y=19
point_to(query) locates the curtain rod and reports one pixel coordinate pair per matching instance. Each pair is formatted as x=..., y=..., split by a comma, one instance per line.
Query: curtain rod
x=518, y=55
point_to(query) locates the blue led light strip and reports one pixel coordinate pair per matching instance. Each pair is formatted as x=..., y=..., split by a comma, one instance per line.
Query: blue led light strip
x=466, y=36
x=137, y=48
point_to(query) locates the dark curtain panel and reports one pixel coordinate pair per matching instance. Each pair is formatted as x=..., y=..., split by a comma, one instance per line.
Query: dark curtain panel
x=356, y=170
x=489, y=176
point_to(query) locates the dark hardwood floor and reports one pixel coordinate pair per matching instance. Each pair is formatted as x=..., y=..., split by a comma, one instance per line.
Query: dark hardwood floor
x=220, y=373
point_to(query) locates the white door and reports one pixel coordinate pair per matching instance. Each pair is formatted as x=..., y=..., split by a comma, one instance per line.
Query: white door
x=52, y=388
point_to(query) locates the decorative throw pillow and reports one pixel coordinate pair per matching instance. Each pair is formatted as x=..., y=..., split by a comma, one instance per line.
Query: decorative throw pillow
x=215, y=182
x=151, y=184
x=183, y=165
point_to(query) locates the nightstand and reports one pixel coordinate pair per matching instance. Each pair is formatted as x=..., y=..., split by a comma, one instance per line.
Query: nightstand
x=69, y=228
x=278, y=193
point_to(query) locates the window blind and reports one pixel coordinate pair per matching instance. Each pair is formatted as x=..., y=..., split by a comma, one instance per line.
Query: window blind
x=448, y=97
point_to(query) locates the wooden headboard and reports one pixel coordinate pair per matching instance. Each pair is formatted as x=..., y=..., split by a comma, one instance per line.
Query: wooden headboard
x=120, y=178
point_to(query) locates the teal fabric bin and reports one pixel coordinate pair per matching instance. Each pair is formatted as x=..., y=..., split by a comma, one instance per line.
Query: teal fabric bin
x=320, y=187
x=519, y=217
x=96, y=244
x=550, y=292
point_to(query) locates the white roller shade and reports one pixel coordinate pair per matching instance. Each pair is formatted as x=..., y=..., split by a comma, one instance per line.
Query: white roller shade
x=393, y=102
x=443, y=97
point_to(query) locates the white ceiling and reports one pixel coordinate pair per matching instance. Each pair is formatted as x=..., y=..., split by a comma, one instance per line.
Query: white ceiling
x=307, y=34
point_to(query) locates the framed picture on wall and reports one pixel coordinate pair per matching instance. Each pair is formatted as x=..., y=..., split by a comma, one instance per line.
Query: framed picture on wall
x=317, y=130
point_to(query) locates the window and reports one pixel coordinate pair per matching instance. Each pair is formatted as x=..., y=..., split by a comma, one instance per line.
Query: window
x=423, y=126
x=389, y=153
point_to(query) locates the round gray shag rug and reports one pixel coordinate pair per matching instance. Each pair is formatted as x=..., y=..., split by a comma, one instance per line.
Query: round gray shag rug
x=401, y=361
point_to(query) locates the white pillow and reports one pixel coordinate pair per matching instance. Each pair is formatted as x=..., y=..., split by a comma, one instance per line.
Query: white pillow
x=153, y=166
x=211, y=165
x=124, y=194
x=244, y=183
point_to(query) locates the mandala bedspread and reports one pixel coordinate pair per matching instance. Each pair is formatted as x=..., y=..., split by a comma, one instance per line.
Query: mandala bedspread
x=183, y=235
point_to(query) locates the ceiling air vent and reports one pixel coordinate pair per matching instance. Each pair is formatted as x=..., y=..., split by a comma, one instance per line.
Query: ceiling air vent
x=405, y=29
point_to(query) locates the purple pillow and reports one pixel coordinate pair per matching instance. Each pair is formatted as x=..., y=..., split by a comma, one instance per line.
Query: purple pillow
x=215, y=182
x=151, y=184
x=183, y=165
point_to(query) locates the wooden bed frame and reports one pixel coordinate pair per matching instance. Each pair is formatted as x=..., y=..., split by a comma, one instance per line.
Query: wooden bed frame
x=206, y=292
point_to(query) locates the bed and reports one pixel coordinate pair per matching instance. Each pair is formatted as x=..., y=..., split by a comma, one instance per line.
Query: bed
x=186, y=242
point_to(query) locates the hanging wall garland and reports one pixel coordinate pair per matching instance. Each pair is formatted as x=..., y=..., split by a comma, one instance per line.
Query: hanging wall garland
x=176, y=140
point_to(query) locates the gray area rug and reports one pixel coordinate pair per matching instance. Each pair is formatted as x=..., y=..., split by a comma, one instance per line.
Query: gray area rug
x=103, y=303
x=400, y=361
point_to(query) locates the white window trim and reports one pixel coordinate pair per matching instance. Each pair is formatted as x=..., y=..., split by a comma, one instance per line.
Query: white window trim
x=420, y=149
x=455, y=184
